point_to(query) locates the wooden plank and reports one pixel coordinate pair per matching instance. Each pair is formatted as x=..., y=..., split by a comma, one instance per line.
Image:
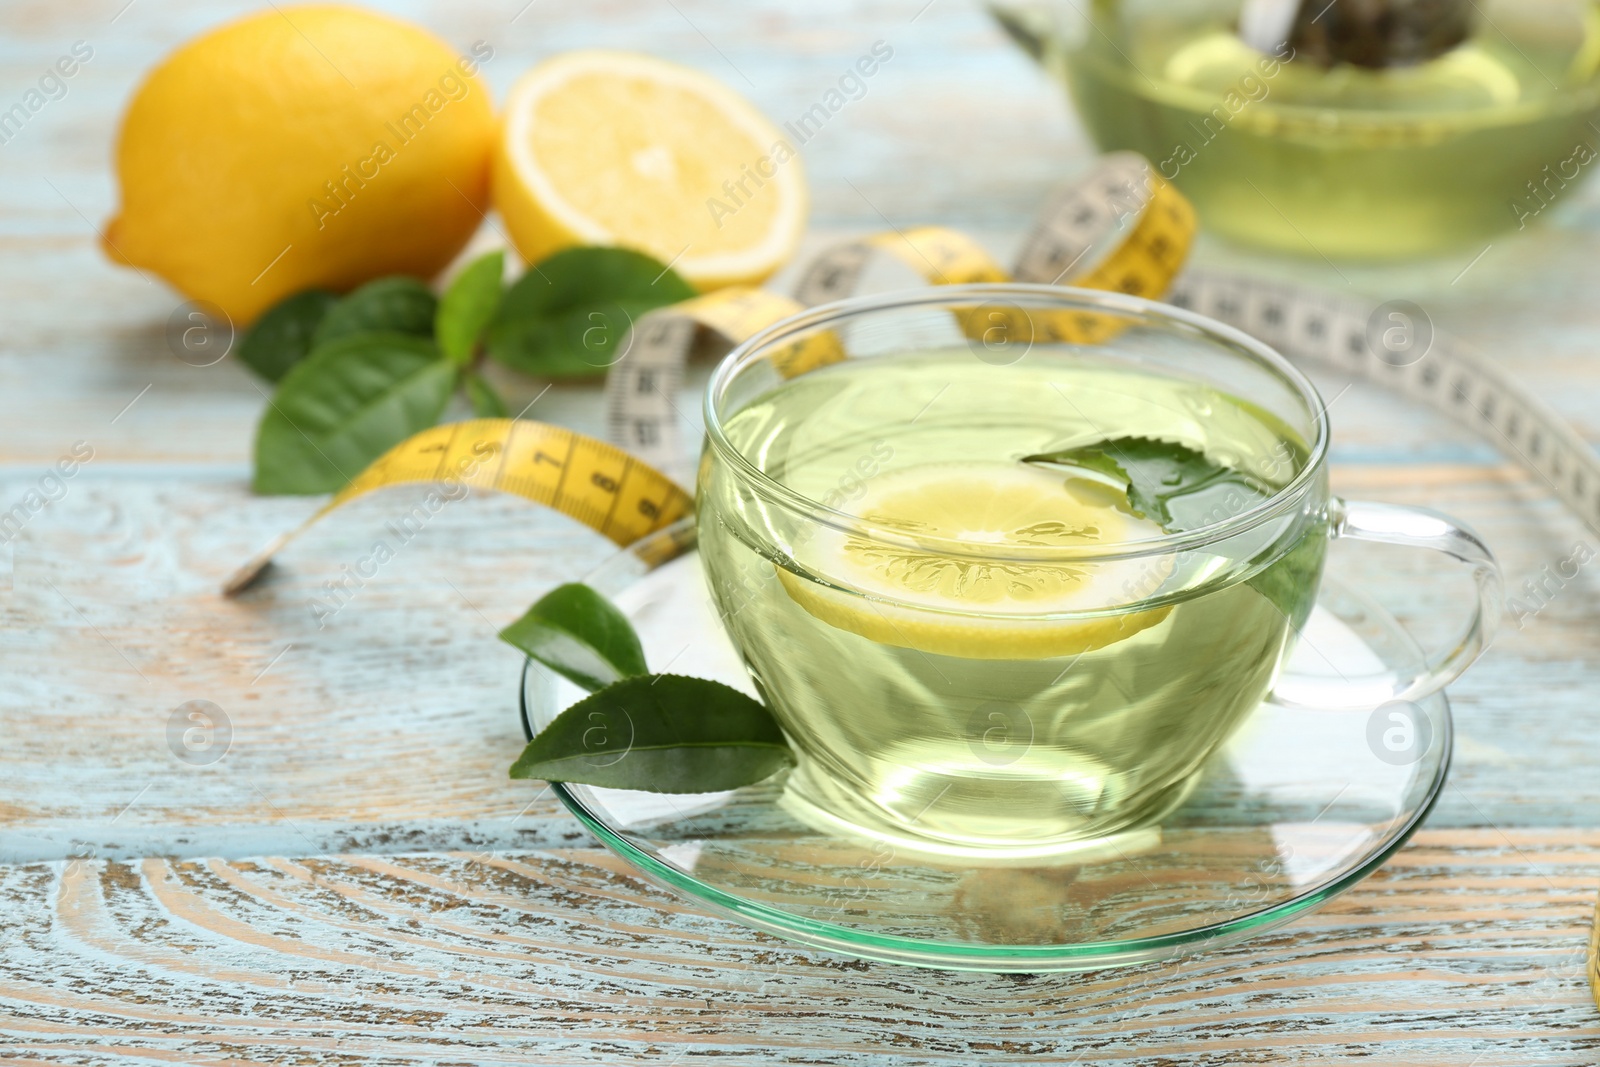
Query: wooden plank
x=379, y=740
x=70, y=365
x=84, y=337
x=1467, y=948
x=387, y=725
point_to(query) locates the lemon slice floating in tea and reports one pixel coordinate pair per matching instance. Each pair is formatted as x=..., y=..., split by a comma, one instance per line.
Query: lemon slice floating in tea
x=975, y=607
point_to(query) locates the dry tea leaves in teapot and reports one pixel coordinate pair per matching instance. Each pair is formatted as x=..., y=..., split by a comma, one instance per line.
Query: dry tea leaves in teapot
x=1366, y=33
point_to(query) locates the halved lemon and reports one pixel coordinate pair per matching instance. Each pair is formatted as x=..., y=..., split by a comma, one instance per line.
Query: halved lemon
x=974, y=607
x=615, y=148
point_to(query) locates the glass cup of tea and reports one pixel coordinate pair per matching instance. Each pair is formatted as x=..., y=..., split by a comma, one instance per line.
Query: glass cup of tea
x=1010, y=562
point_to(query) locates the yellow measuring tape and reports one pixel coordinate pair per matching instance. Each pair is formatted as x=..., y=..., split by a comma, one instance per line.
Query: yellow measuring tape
x=1121, y=228
x=598, y=484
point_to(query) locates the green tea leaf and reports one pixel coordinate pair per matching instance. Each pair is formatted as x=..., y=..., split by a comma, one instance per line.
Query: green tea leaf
x=579, y=345
x=468, y=305
x=347, y=404
x=1290, y=582
x=664, y=733
x=282, y=337
x=579, y=634
x=1153, y=471
x=566, y=317
x=486, y=403
x=1156, y=472
x=1091, y=459
x=388, y=305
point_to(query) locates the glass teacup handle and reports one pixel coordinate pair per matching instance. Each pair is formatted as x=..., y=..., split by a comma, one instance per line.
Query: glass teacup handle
x=1394, y=524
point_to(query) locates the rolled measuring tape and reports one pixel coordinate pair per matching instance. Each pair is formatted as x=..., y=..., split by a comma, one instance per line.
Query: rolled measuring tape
x=642, y=386
x=1120, y=228
x=1336, y=333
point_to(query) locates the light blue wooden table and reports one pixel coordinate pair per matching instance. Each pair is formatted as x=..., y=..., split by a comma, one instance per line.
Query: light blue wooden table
x=357, y=882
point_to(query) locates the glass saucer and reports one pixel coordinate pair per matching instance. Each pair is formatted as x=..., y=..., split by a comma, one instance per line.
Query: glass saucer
x=1300, y=805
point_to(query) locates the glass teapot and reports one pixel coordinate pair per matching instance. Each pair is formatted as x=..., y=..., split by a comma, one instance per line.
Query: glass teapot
x=1365, y=129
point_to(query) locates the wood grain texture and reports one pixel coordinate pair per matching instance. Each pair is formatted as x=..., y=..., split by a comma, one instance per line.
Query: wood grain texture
x=440, y=913
x=388, y=727
x=1467, y=948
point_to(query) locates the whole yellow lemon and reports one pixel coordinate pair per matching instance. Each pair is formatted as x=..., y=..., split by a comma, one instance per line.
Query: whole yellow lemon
x=299, y=147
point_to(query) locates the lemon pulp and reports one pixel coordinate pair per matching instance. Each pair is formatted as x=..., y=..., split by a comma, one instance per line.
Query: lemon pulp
x=613, y=148
x=985, y=602
x=1007, y=694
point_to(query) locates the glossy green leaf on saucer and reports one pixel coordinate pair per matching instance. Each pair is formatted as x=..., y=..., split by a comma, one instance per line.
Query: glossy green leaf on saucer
x=662, y=733
x=580, y=635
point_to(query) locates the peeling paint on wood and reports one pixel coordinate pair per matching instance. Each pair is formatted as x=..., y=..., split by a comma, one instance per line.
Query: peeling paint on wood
x=1468, y=945
x=155, y=910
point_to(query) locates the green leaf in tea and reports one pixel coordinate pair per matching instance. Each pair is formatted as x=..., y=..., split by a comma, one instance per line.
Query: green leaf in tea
x=468, y=305
x=579, y=634
x=1154, y=472
x=1290, y=582
x=566, y=317
x=282, y=337
x=388, y=305
x=486, y=403
x=664, y=733
x=345, y=406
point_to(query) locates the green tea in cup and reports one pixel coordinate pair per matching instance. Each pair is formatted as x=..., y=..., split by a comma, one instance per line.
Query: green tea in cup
x=1009, y=596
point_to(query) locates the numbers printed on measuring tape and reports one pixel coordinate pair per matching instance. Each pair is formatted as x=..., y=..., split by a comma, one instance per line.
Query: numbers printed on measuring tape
x=1122, y=228
x=1438, y=372
x=594, y=482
